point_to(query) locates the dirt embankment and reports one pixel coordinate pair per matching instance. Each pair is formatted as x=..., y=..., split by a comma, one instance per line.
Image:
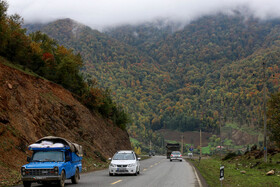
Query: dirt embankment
x=31, y=108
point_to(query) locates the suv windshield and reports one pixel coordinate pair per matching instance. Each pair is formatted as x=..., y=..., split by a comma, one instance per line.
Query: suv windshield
x=48, y=156
x=124, y=156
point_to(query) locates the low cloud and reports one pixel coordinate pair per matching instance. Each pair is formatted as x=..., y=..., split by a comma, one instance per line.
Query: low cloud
x=103, y=13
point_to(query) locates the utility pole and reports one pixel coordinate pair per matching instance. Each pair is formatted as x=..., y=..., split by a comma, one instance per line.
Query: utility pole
x=221, y=137
x=150, y=145
x=264, y=110
x=221, y=117
x=182, y=146
x=200, y=145
x=163, y=146
x=200, y=136
x=200, y=133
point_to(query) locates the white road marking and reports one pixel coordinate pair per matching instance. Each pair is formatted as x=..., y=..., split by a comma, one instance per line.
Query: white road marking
x=199, y=182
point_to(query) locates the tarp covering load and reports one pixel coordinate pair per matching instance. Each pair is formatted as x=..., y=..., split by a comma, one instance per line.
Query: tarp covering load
x=52, y=141
x=171, y=147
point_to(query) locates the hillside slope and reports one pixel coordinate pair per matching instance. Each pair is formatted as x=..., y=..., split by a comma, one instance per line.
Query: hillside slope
x=31, y=108
x=209, y=69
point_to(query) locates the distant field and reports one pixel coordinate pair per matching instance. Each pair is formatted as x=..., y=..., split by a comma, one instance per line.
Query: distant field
x=190, y=137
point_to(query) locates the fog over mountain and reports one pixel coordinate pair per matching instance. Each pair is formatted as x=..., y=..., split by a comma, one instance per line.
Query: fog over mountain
x=99, y=14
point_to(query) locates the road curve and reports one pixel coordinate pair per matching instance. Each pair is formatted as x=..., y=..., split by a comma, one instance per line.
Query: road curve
x=155, y=172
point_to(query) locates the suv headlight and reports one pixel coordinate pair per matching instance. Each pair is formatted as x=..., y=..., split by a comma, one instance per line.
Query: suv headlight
x=131, y=165
x=113, y=165
x=23, y=173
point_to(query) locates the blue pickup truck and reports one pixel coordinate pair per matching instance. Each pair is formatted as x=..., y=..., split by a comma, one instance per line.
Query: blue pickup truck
x=54, y=160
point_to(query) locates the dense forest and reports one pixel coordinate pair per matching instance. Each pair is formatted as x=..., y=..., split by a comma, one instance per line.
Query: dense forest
x=208, y=72
x=43, y=56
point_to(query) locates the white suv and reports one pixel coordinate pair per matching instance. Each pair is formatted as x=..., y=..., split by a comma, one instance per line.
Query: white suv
x=124, y=162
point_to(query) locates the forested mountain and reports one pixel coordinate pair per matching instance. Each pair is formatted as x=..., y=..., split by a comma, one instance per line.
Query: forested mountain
x=216, y=65
x=181, y=78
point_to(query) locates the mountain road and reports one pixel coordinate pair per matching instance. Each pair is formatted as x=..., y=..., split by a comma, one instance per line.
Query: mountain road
x=155, y=172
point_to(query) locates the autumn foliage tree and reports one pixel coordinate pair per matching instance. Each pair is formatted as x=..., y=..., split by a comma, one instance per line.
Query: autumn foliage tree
x=44, y=56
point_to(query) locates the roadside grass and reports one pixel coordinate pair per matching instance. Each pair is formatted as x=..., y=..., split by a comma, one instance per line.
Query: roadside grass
x=144, y=157
x=255, y=175
x=92, y=164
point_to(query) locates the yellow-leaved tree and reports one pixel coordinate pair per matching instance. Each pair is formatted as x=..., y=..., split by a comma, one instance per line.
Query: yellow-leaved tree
x=137, y=150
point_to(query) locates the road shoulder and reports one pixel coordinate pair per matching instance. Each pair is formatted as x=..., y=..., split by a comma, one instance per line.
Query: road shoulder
x=202, y=180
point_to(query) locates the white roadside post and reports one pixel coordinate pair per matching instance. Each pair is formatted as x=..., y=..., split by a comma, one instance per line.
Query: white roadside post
x=222, y=172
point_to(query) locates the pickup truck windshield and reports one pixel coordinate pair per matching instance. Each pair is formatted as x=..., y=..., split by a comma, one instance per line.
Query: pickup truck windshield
x=48, y=156
x=124, y=156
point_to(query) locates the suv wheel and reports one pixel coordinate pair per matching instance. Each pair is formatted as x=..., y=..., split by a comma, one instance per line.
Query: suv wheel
x=26, y=184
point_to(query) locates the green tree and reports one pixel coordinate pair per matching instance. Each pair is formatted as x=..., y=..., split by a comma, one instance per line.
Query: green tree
x=273, y=115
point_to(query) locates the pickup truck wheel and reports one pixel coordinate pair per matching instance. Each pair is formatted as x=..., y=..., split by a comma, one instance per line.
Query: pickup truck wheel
x=26, y=184
x=61, y=183
x=75, y=178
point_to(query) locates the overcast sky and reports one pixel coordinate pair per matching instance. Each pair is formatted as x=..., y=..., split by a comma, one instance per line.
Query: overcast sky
x=101, y=13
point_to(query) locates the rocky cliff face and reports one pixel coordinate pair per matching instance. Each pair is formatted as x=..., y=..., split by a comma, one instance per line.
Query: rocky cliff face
x=31, y=108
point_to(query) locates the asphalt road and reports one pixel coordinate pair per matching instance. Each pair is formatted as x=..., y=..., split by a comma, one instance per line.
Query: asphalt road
x=155, y=172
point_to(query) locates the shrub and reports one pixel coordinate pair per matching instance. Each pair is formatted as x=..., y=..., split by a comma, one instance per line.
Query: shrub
x=230, y=156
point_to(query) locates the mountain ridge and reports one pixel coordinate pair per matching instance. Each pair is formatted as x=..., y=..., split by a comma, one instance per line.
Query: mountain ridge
x=195, y=74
